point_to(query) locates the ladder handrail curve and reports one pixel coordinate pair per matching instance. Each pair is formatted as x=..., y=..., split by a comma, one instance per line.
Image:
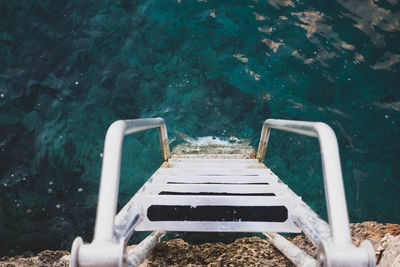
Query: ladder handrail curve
x=110, y=172
x=332, y=171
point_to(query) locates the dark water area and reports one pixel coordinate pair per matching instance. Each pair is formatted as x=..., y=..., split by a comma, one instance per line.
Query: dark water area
x=68, y=69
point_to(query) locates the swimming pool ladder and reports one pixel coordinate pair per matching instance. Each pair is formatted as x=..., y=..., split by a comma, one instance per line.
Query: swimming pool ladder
x=219, y=193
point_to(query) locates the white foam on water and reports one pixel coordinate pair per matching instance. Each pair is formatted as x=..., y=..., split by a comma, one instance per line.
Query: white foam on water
x=216, y=141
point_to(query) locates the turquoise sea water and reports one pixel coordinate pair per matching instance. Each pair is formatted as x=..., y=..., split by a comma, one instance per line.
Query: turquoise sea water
x=68, y=69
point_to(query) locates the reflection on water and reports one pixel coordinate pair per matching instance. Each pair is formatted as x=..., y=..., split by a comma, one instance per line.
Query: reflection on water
x=67, y=70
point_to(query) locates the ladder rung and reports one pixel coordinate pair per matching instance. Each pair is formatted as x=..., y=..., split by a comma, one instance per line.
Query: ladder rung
x=212, y=156
x=192, y=179
x=214, y=172
x=218, y=200
x=213, y=165
x=216, y=213
x=243, y=189
x=211, y=161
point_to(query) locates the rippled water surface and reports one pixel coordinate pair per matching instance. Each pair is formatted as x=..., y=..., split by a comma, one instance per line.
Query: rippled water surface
x=210, y=68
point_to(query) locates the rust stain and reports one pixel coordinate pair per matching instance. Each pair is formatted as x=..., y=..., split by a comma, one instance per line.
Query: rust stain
x=166, y=165
x=165, y=153
x=257, y=166
x=261, y=152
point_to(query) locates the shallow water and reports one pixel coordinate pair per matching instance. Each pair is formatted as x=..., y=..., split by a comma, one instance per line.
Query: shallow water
x=209, y=68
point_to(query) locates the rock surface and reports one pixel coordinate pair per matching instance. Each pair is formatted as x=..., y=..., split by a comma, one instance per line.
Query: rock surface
x=249, y=251
x=46, y=258
x=391, y=255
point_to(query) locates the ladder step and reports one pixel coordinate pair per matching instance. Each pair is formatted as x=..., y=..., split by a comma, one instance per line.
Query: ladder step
x=214, y=193
x=216, y=213
x=195, y=179
x=212, y=156
x=213, y=165
x=214, y=172
x=204, y=189
x=213, y=160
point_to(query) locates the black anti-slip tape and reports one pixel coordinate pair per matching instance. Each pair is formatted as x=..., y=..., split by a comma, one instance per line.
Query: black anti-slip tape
x=217, y=213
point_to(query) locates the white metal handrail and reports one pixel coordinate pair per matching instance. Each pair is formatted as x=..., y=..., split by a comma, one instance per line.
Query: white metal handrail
x=107, y=248
x=338, y=250
x=332, y=172
x=108, y=194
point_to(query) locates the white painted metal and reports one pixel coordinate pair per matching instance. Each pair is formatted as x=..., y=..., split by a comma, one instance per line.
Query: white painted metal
x=109, y=181
x=293, y=253
x=124, y=226
x=214, y=160
x=316, y=229
x=213, y=172
x=155, y=189
x=193, y=201
x=104, y=237
x=338, y=250
x=145, y=201
x=333, y=181
x=215, y=165
x=139, y=253
x=214, y=179
x=213, y=156
x=191, y=226
x=99, y=254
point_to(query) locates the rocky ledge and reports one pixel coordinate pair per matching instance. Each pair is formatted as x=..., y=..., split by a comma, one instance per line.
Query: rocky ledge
x=249, y=251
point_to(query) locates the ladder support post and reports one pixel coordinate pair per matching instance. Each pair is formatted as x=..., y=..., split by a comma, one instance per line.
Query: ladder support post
x=262, y=146
x=140, y=252
x=292, y=252
x=162, y=132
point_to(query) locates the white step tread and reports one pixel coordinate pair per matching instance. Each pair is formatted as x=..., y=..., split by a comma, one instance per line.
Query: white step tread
x=155, y=189
x=188, y=210
x=214, y=172
x=213, y=160
x=214, y=165
x=190, y=179
x=212, y=156
x=187, y=226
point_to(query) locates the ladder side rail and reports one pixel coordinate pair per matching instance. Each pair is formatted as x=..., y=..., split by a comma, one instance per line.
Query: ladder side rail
x=291, y=251
x=110, y=174
x=332, y=172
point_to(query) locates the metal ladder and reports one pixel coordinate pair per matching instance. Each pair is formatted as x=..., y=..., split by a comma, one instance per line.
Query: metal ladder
x=219, y=193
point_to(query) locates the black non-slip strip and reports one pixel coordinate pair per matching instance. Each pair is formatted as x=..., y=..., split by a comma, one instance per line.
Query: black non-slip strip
x=217, y=213
x=215, y=194
x=216, y=183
